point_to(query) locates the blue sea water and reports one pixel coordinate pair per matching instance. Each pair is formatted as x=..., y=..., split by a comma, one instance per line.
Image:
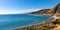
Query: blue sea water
x=8, y=22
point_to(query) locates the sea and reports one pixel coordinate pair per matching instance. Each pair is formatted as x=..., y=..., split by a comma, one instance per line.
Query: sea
x=9, y=21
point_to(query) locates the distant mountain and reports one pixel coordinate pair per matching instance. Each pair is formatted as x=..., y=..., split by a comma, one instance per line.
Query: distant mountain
x=40, y=11
x=55, y=10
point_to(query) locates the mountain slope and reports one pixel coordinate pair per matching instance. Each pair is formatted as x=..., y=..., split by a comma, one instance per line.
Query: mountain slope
x=55, y=10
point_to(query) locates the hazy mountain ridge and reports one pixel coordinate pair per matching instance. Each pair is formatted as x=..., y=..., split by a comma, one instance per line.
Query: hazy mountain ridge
x=52, y=11
x=41, y=11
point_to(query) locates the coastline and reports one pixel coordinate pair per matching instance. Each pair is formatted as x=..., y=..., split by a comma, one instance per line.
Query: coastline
x=46, y=25
x=26, y=26
x=33, y=24
x=40, y=15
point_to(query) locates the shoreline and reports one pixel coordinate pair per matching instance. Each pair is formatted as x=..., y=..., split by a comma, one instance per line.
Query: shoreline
x=26, y=26
x=40, y=15
x=32, y=24
x=29, y=25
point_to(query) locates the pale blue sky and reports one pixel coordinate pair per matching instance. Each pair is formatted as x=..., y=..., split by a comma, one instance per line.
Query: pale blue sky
x=22, y=6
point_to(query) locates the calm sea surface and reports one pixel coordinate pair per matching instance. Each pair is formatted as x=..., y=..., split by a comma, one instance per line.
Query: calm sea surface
x=8, y=22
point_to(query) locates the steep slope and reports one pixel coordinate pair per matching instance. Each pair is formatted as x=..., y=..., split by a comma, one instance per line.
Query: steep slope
x=55, y=10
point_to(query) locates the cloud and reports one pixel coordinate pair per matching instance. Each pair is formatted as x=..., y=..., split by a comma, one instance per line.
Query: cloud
x=17, y=11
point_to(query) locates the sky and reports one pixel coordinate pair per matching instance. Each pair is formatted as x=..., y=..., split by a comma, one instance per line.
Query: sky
x=25, y=6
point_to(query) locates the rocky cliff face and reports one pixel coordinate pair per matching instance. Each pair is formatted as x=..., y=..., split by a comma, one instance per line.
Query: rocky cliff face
x=57, y=8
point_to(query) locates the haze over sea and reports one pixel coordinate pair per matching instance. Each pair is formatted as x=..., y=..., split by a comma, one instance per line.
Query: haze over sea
x=10, y=21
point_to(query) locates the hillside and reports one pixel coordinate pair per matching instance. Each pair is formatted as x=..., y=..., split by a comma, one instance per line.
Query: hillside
x=54, y=10
x=40, y=11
